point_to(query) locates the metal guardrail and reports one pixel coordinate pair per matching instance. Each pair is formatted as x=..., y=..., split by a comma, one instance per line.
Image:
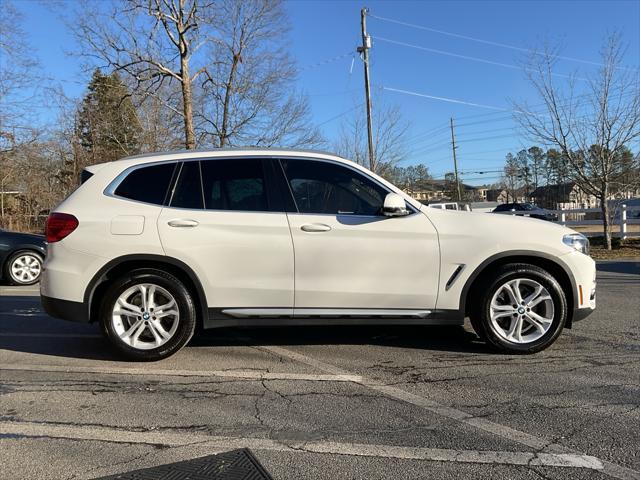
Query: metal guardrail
x=623, y=216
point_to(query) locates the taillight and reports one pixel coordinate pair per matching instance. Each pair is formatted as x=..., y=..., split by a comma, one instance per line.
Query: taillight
x=59, y=225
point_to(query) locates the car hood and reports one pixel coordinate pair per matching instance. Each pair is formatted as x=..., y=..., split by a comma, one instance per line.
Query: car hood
x=498, y=233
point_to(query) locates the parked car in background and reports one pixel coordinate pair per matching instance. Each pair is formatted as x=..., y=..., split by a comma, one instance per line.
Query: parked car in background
x=451, y=206
x=21, y=257
x=526, y=210
x=152, y=247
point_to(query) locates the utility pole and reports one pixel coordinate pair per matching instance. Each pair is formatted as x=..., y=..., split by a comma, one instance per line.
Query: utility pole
x=364, y=51
x=455, y=161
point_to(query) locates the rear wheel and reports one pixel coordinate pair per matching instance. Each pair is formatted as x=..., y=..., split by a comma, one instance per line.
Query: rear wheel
x=522, y=310
x=24, y=268
x=148, y=314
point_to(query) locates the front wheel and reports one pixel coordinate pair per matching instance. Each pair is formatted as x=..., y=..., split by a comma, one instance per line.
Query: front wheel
x=148, y=315
x=523, y=310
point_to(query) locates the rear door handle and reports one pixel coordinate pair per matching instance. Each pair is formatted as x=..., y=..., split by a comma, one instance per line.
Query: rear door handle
x=183, y=223
x=315, y=227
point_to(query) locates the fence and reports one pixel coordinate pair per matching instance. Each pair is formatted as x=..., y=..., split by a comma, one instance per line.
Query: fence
x=623, y=216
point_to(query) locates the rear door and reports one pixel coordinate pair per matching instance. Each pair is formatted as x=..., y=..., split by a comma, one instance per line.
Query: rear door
x=224, y=221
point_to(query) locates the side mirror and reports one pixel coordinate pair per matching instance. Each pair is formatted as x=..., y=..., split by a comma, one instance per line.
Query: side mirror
x=394, y=206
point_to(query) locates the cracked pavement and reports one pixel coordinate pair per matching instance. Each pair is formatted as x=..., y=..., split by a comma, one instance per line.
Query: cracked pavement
x=412, y=402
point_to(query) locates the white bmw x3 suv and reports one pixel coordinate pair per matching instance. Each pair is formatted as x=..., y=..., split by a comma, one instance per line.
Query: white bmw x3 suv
x=154, y=246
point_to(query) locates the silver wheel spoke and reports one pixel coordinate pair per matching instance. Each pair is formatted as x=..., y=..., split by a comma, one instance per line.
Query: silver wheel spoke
x=131, y=330
x=166, y=314
x=534, y=295
x=535, y=323
x=158, y=329
x=515, y=330
x=128, y=309
x=502, y=308
x=538, y=300
x=137, y=333
x=143, y=292
x=538, y=318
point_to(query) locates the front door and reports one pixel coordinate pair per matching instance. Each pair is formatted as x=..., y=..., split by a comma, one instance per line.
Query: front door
x=349, y=258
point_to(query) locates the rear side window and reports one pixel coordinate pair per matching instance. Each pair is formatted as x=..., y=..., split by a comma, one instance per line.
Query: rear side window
x=235, y=184
x=147, y=184
x=188, y=190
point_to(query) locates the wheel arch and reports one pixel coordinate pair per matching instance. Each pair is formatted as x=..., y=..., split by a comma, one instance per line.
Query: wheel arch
x=120, y=265
x=556, y=267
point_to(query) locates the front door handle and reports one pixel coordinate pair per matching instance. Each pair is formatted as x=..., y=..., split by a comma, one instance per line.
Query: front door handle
x=183, y=223
x=315, y=227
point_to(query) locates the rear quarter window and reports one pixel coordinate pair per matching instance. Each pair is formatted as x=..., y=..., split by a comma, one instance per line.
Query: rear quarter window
x=147, y=184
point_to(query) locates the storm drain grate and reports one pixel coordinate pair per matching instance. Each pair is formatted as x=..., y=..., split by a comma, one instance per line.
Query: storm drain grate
x=233, y=465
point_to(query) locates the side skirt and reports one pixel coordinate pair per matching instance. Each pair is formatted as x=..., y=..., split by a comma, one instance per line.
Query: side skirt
x=270, y=317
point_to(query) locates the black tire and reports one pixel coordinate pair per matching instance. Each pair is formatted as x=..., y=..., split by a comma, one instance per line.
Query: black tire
x=481, y=317
x=185, y=305
x=7, y=267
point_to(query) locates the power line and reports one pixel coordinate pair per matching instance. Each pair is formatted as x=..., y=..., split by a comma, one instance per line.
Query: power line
x=467, y=57
x=493, y=43
x=445, y=99
x=339, y=115
x=326, y=62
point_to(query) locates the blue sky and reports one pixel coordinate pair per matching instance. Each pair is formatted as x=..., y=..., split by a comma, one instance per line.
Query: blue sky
x=324, y=30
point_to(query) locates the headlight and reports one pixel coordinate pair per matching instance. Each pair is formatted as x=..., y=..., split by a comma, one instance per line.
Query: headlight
x=577, y=241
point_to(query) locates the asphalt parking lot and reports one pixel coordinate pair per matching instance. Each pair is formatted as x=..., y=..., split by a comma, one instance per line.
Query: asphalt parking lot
x=327, y=402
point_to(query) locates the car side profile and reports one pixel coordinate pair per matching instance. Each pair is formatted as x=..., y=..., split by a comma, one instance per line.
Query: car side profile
x=152, y=247
x=21, y=257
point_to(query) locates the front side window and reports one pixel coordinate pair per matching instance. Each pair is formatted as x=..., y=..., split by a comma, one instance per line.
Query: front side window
x=234, y=184
x=147, y=184
x=328, y=188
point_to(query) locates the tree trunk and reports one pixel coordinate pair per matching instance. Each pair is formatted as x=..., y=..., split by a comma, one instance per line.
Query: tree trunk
x=604, y=207
x=227, y=100
x=187, y=104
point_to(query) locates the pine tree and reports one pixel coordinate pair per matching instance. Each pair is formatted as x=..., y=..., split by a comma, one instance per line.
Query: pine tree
x=107, y=124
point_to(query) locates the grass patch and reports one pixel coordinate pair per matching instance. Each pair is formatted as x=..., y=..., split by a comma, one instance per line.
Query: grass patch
x=630, y=248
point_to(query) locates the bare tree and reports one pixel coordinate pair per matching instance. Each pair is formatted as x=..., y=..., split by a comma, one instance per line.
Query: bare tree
x=248, y=96
x=152, y=41
x=590, y=130
x=389, y=137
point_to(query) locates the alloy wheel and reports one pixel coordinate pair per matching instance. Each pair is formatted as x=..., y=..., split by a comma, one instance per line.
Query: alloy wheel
x=25, y=268
x=145, y=316
x=521, y=311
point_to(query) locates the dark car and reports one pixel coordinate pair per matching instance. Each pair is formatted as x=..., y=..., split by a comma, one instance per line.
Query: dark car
x=526, y=210
x=21, y=257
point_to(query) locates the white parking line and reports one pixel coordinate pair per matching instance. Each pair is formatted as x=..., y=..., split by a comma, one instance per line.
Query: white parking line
x=217, y=443
x=244, y=374
x=539, y=444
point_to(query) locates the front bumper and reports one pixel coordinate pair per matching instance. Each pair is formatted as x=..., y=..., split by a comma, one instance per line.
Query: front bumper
x=65, y=309
x=581, y=314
